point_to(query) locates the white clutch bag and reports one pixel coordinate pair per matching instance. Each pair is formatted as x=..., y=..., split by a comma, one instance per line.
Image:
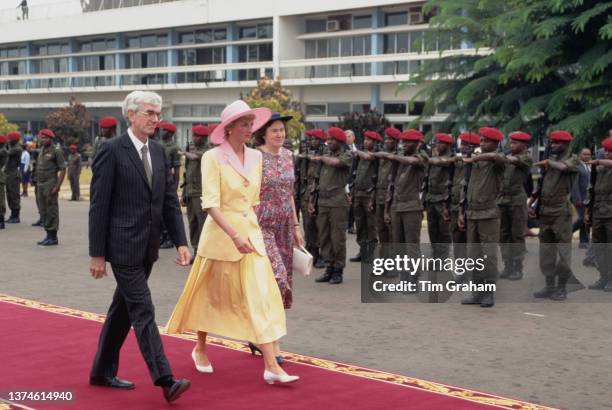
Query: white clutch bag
x=302, y=261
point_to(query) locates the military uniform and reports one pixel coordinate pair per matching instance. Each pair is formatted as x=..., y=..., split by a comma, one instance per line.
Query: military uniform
x=513, y=215
x=50, y=162
x=74, y=174
x=309, y=174
x=458, y=235
x=96, y=146
x=438, y=181
x=365, y=221
x=13, y=181
x=602, y=224
x=556, y=226
x=3, y=159
x=174, y=159
x=192, y=192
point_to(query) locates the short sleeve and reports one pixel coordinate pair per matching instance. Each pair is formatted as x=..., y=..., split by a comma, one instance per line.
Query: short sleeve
x=211, y=181
x=59, y=159
x=525, y=161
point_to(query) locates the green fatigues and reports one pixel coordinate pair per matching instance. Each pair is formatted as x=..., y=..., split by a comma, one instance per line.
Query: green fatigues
x=513, y=210
x=193, y=196
x=333, y=206
x=74, y=174
x=437, y=199
x=484, y=188
x=96, y=147
x=459, y=236
x=174, y=159
x=50, y=162
x=13, y=180
x=602, y=221
x=556, y=220
x=308, y=174
x=33, y=180
x=3, y=159
x=406, y=207
x=382, y=183
x=365, y=221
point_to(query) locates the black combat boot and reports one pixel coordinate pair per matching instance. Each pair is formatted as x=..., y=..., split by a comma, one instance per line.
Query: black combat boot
x=336, y=277
x=326, y=276
x=319, y=263
x=547, y=290
x=601, y=283
x=488, y=297
x=47, y=237
x=166, y=242
x=14, y=219
x=38, y=223
x=52, y=239
x=475, y=299
x=608, y=287
x=517, y=270
x=357, y=258
x=2, y=222
x=559, y=294
x=507, y=269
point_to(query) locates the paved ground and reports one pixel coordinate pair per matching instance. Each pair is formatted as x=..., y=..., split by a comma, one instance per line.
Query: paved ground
x=551, y=353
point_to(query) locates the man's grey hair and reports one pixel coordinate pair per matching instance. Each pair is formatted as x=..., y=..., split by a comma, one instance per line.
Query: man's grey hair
x=137, y=99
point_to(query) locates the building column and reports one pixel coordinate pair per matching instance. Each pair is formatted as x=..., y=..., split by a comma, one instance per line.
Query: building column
x=377, y=40
x=28, y=64
x=231, y=51
x=72, y=63
x=375, y=103
x=172, y=55
x=119, y=58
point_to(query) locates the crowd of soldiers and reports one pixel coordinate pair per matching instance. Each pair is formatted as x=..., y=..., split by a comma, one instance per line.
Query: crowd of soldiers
x=475, y=200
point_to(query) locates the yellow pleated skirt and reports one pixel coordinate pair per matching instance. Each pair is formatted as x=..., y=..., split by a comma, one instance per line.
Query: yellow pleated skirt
x=239, y=300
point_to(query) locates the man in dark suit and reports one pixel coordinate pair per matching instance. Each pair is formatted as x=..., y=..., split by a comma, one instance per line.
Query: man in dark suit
x=579, y=195
x=132, y=192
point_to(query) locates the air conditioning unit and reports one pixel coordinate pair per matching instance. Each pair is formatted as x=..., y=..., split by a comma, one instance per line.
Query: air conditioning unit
x=416, y=17
x=333, y=25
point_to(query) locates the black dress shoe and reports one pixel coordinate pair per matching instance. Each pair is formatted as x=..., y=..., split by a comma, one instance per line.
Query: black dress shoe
x=174, y=392
x=113, y=382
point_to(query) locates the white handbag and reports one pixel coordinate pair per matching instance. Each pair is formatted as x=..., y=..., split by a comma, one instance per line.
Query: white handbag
x=302, y=261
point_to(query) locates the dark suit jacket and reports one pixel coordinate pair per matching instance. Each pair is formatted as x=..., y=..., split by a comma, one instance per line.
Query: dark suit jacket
x=125, y=214
x=581, y=186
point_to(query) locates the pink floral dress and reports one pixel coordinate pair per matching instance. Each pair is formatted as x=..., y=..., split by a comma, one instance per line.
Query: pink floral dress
x=275, y=216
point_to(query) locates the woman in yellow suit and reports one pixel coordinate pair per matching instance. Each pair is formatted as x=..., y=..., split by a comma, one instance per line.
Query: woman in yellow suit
x=231, y=289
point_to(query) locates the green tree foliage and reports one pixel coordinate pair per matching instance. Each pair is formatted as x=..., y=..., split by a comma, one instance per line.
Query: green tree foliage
x=359, y=123
x=5, y=126
x=539, y=65
x=71, y=123
x=271, y=94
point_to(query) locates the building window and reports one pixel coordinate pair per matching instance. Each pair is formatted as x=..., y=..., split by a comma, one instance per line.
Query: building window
x=360, y=108
x=338, y=109
x=316, y=109
x=201, y=56
x=362, y=21
x=417, y=108
x=247, y=32
x=264, y=30
x=394, y=108
x=396, y=19
x=316, y=26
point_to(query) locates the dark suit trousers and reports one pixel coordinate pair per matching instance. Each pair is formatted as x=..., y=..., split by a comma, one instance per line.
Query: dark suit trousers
x=131, y=306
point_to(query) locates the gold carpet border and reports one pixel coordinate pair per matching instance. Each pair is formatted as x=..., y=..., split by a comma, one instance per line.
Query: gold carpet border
x=405, y=381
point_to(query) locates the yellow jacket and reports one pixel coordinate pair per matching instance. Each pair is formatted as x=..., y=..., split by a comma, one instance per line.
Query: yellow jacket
x=234, y=189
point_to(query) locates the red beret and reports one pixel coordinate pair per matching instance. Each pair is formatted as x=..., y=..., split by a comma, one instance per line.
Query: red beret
x=337, y=134
x=519, y=136
x=393, y=132
x=560, y=136
x=201, y=130
x=491, y=133
x=107, y=122
x=167, y=126
x=3, y=139
x=412, y=135
x=442, y=137
x=72, y=146
x=607, y=144
x=47, y=132
x=319, y=133
x=470, y=137
x=373, y=135
x=13, y=136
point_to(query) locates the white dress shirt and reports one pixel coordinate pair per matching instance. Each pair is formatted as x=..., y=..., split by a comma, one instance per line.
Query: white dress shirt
x=138, y=144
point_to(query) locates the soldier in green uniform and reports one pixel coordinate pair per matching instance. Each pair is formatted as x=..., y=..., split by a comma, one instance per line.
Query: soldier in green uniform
x=191, y=197
x=108, y=129
x=403, y=208
x=332, y=205
x=513, y=206
x=34, y=152
x=13, y=179
x=3, y=159
x=166, y=133
x=483, y=191
x=74, y=172
x=438, y=194
x=599, y=216
x=50, y=173
x=469, y=142
x=360, y=197
x=309, y=173
x=379, y=195
x=555, y=216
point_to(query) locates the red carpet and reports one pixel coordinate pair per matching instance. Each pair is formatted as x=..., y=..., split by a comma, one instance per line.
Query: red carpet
x=45, y=347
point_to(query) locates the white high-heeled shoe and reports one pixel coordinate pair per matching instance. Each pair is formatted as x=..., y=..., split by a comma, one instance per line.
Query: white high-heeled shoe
x=201, y=369
x=272, y=378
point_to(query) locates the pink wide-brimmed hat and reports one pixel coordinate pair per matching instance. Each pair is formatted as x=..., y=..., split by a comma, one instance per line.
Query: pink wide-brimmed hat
x=234, y=111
